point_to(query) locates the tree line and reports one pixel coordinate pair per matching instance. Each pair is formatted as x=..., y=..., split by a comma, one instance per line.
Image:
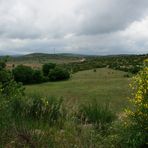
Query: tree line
x=28, y=75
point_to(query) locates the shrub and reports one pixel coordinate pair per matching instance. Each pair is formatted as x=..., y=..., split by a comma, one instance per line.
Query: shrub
x=57, y=74
x=23, y=74
x=27, y=75
x=2, y=64
x=38, y=76
x=9, y=90
x=126, y=75
x=138, y=115
x=8, y=87
x=94, y=70
x=100, y=116
x=12, y=89
x=134, y=70
x=5, y=76
x=47, y=67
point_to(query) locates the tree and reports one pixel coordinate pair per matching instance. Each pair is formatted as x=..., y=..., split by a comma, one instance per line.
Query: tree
x=47, y=67
x=37, y=76
x=5, y=75
x=57, y=74
x=8, y=86
x=3, y=63
x=23, y=74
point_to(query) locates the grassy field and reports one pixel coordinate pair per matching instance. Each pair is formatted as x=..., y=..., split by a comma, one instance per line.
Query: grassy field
x=104, y=85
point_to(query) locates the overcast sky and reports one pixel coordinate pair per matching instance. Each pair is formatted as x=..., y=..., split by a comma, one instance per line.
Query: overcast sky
x=74, y=26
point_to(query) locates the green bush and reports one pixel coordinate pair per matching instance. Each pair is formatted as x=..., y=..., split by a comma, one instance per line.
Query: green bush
x=12, y=89
x=99, y=115
x=57, y=74
x=38, y=76
x=134, y=70
x=2, y=64
x=47, y=67
x=8, y=86
x=5, y=76
x=23, y=74
x=9, y=90
x=137, y=116
x=126, y=75
x=27, y=75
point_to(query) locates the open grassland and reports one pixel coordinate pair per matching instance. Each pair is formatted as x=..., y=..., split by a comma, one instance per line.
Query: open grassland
x=104, y=85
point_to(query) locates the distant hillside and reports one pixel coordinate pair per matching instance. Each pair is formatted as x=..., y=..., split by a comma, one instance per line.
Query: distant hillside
x=79, y=62
x=35, y=60
x=60, y=55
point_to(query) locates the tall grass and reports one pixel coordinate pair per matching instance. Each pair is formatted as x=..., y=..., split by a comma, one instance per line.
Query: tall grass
x=101, y=116
x=37, y=108
x=27, y=121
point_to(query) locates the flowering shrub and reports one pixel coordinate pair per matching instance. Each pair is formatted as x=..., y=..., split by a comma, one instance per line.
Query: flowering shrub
x=138, y=115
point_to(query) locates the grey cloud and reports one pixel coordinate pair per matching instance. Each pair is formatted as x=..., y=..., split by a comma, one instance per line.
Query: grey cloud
x=110, y=15
x=80, y=26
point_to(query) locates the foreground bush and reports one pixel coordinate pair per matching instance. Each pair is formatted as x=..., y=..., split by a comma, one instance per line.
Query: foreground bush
x=5, y=76
x=137, y=123
x=130, y=130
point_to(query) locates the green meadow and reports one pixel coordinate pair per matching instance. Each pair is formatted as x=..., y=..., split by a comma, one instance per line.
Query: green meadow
x=105, y=86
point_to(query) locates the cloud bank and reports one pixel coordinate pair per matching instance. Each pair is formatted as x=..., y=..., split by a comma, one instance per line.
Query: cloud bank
x=77, y=26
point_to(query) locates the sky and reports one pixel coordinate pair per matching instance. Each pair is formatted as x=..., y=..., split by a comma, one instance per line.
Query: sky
x=98, y=27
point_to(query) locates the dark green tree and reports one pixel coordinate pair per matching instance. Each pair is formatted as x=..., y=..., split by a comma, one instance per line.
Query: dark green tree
x=47, y=67
x=23, y=74
x=57, y=74
x=38, y=76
